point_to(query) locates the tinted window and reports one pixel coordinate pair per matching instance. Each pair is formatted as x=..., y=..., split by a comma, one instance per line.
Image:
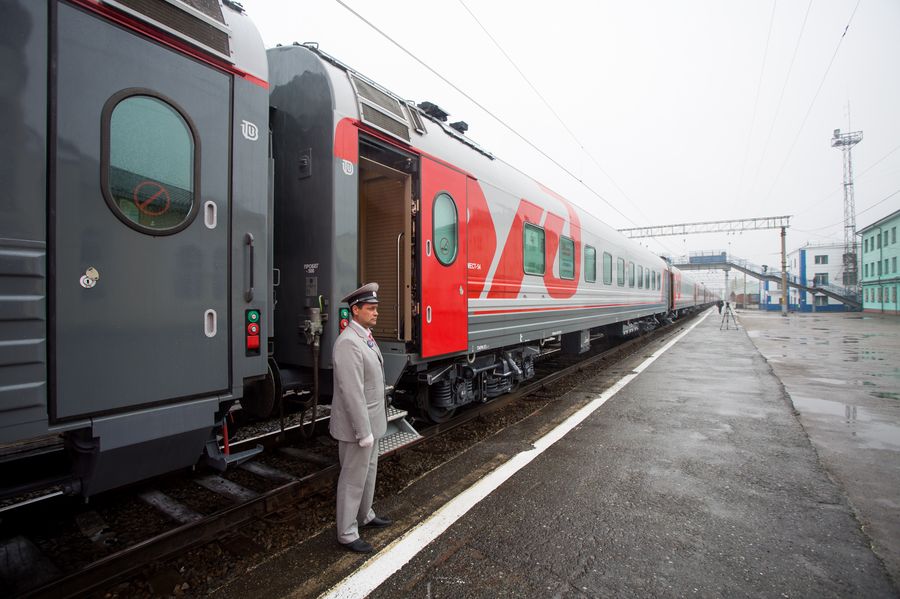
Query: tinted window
x=533, y=240
x=640, y=277
x=620, y=271
x=566, y=258
x=631, y=274
x=647, y=279
x=607, y=268
x=590, y=264
x=150, y=166
x=445, y=229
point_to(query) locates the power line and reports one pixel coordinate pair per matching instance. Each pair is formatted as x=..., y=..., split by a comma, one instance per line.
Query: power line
x=811, y=104
x=783, y=89
x=859, y=176
x=762, y=69
x=482, y=107
x=550, y=108
x=881, y=201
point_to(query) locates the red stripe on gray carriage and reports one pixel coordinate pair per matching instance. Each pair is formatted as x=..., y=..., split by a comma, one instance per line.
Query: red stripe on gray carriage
x=558, y=308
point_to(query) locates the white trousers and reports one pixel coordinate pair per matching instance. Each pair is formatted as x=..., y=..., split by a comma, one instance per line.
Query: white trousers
x=355, y=488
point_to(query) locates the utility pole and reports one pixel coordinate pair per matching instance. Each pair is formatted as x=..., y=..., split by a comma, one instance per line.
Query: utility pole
x=845, y=141
x=784, y=296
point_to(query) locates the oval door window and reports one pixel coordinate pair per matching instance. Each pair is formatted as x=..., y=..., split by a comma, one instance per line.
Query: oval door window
x=444, y=223
x=150, y=164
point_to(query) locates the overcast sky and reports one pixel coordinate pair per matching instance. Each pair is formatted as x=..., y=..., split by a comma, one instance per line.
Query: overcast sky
x=671, y=111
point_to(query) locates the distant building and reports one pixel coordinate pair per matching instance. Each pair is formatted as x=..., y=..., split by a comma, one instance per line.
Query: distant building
x=880, y=275
x=816, y=265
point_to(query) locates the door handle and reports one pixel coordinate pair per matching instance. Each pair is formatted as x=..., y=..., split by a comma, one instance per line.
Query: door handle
x=248, y=256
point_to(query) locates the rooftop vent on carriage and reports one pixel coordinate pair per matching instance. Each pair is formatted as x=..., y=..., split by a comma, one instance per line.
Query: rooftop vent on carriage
x=460, y=126
x=434, y=111
x=198, y=22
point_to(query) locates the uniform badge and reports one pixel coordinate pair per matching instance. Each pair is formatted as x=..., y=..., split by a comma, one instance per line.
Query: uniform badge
x=370, y=343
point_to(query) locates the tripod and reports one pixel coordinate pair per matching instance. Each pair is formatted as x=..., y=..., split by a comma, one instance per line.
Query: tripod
x=728, y=318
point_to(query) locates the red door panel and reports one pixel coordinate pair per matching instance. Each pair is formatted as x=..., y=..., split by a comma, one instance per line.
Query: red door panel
x=444, y=307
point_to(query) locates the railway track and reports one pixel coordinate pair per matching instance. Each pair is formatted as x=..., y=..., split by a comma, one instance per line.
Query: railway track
x=285, y=476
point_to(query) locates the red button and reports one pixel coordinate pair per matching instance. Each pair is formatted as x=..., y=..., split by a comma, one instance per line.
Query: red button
x=253, y=329
x=253, y=342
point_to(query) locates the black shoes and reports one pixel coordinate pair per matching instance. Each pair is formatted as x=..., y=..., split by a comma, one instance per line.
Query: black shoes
x=379, y=522
x=359, y=546
x=362, y=546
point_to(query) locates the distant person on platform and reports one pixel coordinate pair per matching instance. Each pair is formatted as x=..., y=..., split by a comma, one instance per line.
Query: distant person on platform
x=719, y=305
x=358, y=418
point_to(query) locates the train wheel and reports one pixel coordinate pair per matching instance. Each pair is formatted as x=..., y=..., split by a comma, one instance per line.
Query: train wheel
x=259, y=397
x=439, y=415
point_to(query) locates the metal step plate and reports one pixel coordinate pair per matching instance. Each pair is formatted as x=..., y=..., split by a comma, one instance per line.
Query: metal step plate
x=396, y=441
x=399, y=433
x=395, y=413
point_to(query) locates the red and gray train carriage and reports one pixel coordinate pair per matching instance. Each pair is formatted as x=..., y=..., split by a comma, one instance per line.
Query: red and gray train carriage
x=478, y=264
x=138, y=238
x=133, y=235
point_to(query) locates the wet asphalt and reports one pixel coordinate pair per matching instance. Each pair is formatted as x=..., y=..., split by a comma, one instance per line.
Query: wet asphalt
x=842, y=372
x=696, y=480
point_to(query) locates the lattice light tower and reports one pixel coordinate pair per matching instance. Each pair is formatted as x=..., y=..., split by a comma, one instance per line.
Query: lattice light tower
x=846, y=141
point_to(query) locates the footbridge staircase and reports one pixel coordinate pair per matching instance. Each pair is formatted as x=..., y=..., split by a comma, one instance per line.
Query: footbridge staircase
x=721, y=260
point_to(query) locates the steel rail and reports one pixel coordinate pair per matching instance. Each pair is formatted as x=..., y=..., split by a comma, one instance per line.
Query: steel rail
x=119, y=565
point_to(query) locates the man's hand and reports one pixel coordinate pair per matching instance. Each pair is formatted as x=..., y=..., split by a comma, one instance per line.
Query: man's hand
x=367, y=441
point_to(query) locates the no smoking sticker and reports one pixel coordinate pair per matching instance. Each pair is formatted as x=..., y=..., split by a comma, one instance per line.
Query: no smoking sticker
x=152, y=198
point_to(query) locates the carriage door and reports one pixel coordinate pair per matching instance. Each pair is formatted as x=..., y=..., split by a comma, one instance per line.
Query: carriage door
x=444, y=306
x=139, y=224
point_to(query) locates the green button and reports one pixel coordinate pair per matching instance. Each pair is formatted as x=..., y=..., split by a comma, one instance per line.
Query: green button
x=345, y=312
x=253, y=316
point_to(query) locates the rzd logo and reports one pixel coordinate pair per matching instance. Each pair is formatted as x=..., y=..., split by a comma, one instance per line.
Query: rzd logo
x=249, y=130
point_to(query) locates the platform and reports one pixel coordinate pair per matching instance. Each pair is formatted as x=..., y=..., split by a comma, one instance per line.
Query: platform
x=694, y=478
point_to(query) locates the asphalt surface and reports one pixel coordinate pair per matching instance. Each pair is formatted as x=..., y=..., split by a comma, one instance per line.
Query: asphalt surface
x=696, y=480
x=842, y=372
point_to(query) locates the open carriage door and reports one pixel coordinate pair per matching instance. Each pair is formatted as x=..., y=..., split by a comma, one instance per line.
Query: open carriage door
x=442, y=251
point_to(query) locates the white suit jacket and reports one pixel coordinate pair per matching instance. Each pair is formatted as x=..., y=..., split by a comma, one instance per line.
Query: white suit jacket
x=357, y=406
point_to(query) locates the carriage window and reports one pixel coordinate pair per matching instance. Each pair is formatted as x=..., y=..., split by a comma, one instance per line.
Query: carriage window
x=445, y=229
x=590, y=264
x=631, y=274
x=620, y=272
x=647, y=279
x=640, y=277
x=533, y=240
x=150, y=165
x=566, y=258
x=607, y=268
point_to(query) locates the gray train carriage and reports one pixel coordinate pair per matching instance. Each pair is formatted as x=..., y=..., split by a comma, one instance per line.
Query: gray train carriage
x=479, y=266
x=133, y=235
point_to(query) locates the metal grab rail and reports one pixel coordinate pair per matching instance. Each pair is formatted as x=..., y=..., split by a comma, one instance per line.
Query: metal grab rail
x=399, y=288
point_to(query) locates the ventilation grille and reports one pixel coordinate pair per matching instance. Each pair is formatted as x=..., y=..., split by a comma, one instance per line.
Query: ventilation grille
x=377, y=96
x=415, y=119
x=180, y=21
x=384, y=122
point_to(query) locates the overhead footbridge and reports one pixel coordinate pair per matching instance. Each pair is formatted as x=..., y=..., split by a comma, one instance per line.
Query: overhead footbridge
x=721, y=260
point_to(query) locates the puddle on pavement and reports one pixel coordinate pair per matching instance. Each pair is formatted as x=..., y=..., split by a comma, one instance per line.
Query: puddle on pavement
x=866, y=428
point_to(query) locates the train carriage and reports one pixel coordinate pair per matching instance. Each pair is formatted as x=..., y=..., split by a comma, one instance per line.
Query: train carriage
x=183, y=210
x=478, y=263
x=133, y=234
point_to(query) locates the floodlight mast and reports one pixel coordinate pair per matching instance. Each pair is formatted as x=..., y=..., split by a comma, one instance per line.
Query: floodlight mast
x=846, y=141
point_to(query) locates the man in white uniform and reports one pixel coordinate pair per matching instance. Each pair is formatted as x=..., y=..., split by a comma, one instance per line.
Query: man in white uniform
x=358, y=418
